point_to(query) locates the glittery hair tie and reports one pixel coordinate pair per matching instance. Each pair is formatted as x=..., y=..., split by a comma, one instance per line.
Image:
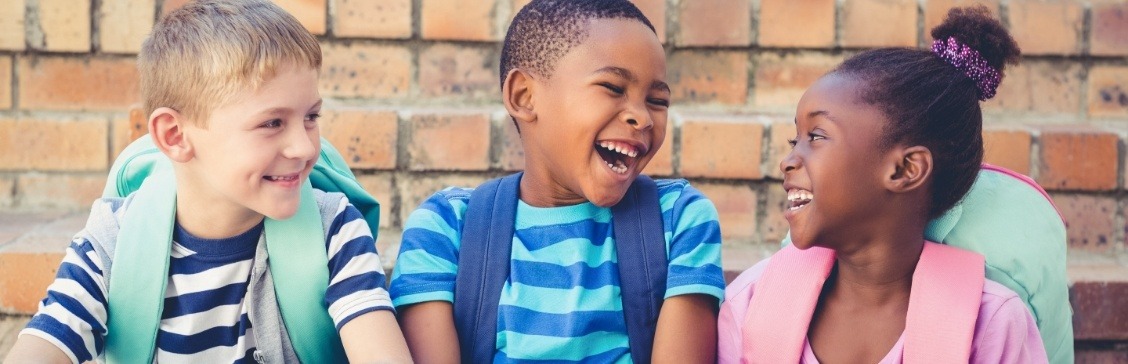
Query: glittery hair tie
x=971, y=63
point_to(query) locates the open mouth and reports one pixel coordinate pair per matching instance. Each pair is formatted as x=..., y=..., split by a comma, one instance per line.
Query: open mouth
x=797, y=199
x=619, y=156
x=286, y=178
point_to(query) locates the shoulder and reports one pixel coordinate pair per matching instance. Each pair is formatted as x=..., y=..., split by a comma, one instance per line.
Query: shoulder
x=999, y=302
x=743, y=287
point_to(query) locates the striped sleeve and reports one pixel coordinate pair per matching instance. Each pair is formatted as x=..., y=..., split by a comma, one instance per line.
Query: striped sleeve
x=73, y=315
x=428, y=259
x=694, y=242
x=356, y=276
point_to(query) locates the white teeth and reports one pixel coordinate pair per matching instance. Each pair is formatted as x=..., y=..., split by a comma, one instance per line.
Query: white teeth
x=618, y=167
x=280, y=178
x=797, y=199
x=624, y=149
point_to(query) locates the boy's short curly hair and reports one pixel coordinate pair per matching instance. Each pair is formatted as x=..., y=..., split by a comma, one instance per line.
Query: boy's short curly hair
x=545, y=30
x=202, y=54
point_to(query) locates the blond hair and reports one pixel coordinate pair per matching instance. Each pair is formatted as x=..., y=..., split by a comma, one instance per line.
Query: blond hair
x=201, y=55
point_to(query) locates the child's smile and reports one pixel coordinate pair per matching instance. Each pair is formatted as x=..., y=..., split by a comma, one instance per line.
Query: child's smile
x=619, y=155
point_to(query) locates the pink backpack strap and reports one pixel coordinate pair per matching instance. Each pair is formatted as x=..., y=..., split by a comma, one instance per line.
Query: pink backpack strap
x=775, y=326
x=943, y=305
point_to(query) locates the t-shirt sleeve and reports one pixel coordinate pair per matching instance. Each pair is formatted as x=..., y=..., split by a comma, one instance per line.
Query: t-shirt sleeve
x=1008, y=335
x=694, y=244
x=356, y=275
x=428, y=259
x=73, y=315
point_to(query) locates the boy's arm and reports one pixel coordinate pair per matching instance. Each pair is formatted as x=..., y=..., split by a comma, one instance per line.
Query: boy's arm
x=429, y=329
x=374, y=337
x=687, y=330
x=31, y=349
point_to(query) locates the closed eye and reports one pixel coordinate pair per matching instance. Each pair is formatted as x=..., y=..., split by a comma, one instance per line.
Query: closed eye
x=616, y=89
x=659, y=102
x=792, y=142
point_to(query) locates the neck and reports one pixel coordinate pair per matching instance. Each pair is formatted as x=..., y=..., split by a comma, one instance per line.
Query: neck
x=208, y=216
x=881, y=270
x=538, y=188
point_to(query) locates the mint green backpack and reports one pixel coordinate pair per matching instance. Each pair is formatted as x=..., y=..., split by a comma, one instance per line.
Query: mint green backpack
x=1013, y=223
x=298, y=261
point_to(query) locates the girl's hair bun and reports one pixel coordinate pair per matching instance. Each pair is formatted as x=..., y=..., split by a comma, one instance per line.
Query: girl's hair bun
x=979, y=30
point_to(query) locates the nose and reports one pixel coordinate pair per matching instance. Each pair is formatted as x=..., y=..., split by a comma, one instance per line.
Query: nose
x=638, y=117
x=302, y=144
x=790, y=162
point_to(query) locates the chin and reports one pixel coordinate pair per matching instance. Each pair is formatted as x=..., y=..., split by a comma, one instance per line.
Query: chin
x=606, y=197
x=281, y=212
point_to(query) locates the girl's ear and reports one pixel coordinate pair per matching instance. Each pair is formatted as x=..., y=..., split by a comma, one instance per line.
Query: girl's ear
x=517, y=94
x=911, y=168
x=166, y=127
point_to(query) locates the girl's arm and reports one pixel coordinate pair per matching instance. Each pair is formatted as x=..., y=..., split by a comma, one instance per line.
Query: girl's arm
x=374, y=337
x=31, y=349
x=687, y=330
x=429, y=329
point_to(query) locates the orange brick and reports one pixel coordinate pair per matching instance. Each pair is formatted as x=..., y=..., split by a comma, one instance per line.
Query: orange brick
x=381, y=187
x=1076, y=158
x=466, y=72
x=65, y=25
x=459, y=19
x=373, y=19
x=365, y=138
x=782, y=80
x=452, y=142
x=1110, y=26
x=7, y=191
x=935, y=11
x=879, y=23
x=138, y=122
x=311, y=13
x=778, y=147
x=511, y=157
x=12, y=19
x=5, y=82
x=1047, y=27
x=715, y=23
x=736, y=207
x=69, y=191
x=775, y=226
x=365, y=71
x=169, y=5
x=1040, y=87
x=780, y=19
x=709, y=77
x=1007, y=148
x=124, y=24
x=413, y=190
x=663, y=162
x=65, y=83
x=53, y=145
x=655, y=12
x=121, y=134
x=1089, y=221
x=29, y=260
x=721, y=149
x=1108, y=91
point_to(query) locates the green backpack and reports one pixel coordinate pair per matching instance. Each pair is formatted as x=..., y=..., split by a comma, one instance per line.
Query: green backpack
x=1013, y=223
x=296, y=246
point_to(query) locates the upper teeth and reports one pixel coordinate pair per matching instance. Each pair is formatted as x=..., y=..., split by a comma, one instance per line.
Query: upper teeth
x=281, y=178
x=799, y=195
x=621, y=148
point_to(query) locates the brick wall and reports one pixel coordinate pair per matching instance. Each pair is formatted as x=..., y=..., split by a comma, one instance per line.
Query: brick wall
x=403, y=78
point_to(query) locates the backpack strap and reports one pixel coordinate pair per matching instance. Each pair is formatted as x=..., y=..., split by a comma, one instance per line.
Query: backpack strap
x=943, y=305
x=784, y=302
x=299, y=266
x=137, y=285
x=640, y=246
x=483, y=266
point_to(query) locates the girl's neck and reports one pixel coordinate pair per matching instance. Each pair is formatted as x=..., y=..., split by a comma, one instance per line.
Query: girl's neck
x=880, y=270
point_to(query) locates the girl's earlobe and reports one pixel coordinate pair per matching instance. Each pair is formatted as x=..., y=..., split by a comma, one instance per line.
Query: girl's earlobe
x=517, y=94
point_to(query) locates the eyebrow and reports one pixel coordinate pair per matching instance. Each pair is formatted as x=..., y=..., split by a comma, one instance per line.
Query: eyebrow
x=625, y=73
x=823, y=113
x=275, y=111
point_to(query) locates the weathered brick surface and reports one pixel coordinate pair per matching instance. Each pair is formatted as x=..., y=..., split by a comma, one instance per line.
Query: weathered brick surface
x=447, y=70
x=655, y=11
x=422, y=187
x=511, y=156
x=53, y=145
x=936, y=10
x=381, y=187
x=1110, y=24
x=311, y=13
x=736, y=207
x=459, y=19
x=708, y=77
x=879, y=23
x=68, y=83
x=365, y=138
x=121, y=134
x=781, y=131
x=1072, y=159
x=5, y=82
x=365, y=71
x=449, y=142
x=721, y=148
x=30, y=255
x=1100, y=310
x=1108, y=91
x=778, y=23
x=1008, y=148
x=65, y=25
x=1040, y=87
x=12, y=21
x=7, y=191
x=781, y=80
x=663, y=162
x=1047, y=27
x=775, y=227
x=66, y=192
x=1089, y=221
x=703, y=23
x=124, y=24
x=169, y=5
x=373, y=19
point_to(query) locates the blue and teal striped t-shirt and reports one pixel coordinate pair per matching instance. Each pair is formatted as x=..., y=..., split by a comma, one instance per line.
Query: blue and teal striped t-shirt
x=562, y=300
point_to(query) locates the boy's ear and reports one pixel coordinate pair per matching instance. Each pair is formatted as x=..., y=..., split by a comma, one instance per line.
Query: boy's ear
x=517, y=93
x=166, y=127
x=910, y=169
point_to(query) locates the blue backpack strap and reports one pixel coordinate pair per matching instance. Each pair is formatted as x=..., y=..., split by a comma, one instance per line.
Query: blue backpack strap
x=483, y=266
x=640, y=245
